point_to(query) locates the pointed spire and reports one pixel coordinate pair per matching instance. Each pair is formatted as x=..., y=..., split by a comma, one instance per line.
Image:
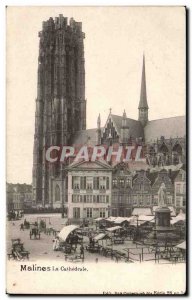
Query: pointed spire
x=143, y=95
x=124, y=114
x=99, y=122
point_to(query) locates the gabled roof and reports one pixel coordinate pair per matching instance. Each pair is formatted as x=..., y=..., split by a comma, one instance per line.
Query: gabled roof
x=135, y=127
x=87, y=136
x=101, y=164
x=168, y=127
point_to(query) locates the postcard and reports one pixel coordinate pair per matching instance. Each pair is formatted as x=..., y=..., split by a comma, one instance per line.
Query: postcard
x=96, y=150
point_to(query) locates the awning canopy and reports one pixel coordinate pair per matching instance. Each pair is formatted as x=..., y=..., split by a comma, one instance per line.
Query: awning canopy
x=142, y=219
x=120, y=220
x=111, y=229
x=146, y=218
x=137, y=211
x=63, y=234
x=111, y=219
x=182, y=245
x=178, y=218
x=99, y=219
x=99, y=236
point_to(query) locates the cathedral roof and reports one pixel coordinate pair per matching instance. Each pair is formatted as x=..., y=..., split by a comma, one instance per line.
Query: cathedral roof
x=135, y=127
x=168, y=127
x=87, y=136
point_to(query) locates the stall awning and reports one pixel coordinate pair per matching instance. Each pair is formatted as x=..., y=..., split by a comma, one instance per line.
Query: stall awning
x=178, y=218
x=182, y=245
x=146, y=218
x=63, y=234
x=99, y=219
x=120, y=220
x=137, y=211
x=99, y=236
x=111, y=229
x=111, y=219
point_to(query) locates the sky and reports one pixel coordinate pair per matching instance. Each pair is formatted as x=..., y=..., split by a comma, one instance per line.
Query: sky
x=115, y=40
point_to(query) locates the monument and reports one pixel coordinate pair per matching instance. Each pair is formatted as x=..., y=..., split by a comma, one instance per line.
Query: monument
x=162, y=213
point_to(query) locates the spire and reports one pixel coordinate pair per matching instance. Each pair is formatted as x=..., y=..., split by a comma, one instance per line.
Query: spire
x=143, y=95
x=99, y=122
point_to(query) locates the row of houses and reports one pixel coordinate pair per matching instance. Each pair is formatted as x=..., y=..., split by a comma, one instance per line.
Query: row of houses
x=19, y=196
x=97, y=189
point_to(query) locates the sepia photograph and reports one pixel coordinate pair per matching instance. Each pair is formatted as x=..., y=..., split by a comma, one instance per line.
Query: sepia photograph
x=96, y=196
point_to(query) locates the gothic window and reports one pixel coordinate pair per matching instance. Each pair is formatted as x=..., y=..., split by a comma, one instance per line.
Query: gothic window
x=178, y=149
x=122, y=182
x=57, y=193
x=114, y=182
x=163, y=149
x=128, y=182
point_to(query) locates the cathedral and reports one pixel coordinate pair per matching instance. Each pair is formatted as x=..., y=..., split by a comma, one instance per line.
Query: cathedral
x=60, y=117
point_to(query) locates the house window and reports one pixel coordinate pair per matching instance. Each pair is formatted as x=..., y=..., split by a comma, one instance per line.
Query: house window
x=83, y=183
x=89, y=183
x=128, y=182
x=102, y=183
x=107, y=199
x=107, y=186
x=76, y=182
x=169, y=199
x=134, y=199
x=89, y=212
x=89, y=198
x=76, y=212
x=178, y=201
x=178, y=188
x=57, y=193
x=96, y=183
x=102, y=212
x=114, y=182
x=121, y=182
x=148, y=200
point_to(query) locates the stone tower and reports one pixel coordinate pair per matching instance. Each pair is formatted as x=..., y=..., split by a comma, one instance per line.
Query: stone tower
x=60, y=103
x=143, y=106
x=124, y=137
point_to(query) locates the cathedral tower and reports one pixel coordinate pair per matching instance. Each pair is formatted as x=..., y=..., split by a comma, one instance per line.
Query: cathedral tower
x=60, y=103
x=143, y=106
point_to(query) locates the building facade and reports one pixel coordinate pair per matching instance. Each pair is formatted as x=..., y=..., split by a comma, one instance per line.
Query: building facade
x=180, y=190
x=89, y=190
x=121, y=203
x=60, y=119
